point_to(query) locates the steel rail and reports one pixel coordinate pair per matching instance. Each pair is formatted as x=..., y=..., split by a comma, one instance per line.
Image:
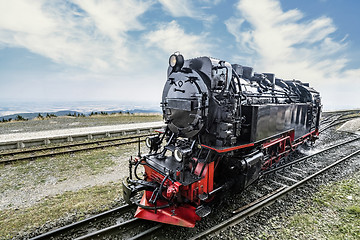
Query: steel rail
x=4, y=161
x=266, y=202
x=79, y=224
x=127, y=224
x=330, y=118
x=258, y=200
x=64, y=152
x=332, y=124
x=309, y=156
x=146, y=233
x=337, y=122
x=349, y=117
x=72, y=145
x=130, y=223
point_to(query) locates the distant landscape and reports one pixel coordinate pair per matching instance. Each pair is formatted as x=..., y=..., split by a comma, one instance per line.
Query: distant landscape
x=30, y=110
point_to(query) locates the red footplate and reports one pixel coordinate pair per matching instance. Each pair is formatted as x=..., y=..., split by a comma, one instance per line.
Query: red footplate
x=184, y=215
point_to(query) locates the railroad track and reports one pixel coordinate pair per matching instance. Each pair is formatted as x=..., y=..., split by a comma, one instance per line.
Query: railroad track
x=85, y=224
x=330, y=118
x=146, y=229
x=336, y=120
x=281, y=185
x=30, y=154
x=93, y=228
x=285, y=183
x=122, y=230
x=292, y=176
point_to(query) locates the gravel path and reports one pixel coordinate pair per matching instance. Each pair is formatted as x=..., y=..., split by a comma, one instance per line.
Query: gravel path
x=75, y=131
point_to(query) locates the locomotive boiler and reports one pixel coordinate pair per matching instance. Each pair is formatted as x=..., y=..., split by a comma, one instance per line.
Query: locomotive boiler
x=225, y=125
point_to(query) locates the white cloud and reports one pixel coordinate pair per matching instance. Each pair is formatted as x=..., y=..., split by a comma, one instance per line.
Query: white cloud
x=20, y=16
x=284, y=43
x=103, y=48
x=89, y=34
x=114, y=18
x=186, y=8
x=212, y=2
x=279, y=36
x=244, y=38
x=96, y=35
x=170, y=37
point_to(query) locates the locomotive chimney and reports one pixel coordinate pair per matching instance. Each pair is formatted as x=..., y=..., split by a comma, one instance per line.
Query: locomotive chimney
x=247, y=72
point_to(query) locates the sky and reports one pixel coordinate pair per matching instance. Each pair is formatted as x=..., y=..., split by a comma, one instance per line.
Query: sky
x=92, y=50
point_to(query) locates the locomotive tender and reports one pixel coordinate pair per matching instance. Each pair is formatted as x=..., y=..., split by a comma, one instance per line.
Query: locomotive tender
x=225, y=125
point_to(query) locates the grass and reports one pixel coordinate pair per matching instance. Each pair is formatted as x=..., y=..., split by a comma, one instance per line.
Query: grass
x=26, y=202
x=21, y=181
x=350, y=115
x=59, y=168
x=70, y=205
x=43, y=170
x=127, y=118
x=74, y=122
x=333, y=213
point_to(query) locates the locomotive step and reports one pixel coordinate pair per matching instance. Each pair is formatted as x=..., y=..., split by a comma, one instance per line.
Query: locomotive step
x=203, y=211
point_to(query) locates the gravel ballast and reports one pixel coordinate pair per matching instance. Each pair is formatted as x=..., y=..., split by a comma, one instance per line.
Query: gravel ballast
x=261, y=225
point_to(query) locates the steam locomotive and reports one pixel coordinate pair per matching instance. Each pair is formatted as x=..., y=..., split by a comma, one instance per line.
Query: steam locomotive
x=225, y=125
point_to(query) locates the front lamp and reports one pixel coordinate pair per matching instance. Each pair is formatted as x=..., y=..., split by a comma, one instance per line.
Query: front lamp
x=176, y=61
x=153, y=143
x=172, y=60
x=148, y=142
x=178, y=155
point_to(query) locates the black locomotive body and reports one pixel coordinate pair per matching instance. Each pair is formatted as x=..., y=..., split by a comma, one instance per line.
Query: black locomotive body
x=225, y=125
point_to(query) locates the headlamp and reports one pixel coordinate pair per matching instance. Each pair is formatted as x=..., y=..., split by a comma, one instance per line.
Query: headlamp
x=176, y=61
x=148, y=142
x=172, y=60
x=153, y=143
x=178, y=155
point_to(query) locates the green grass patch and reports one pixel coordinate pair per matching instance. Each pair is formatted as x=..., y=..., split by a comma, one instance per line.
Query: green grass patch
x=355, y=210
x=350, y=115
x=76, y=122
x=124, y=118
x=47, y=173
x=333, y=213
x=77, y=204
x=58, y=168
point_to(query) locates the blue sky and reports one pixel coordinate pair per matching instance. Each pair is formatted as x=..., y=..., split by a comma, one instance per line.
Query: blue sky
x=118, y=50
